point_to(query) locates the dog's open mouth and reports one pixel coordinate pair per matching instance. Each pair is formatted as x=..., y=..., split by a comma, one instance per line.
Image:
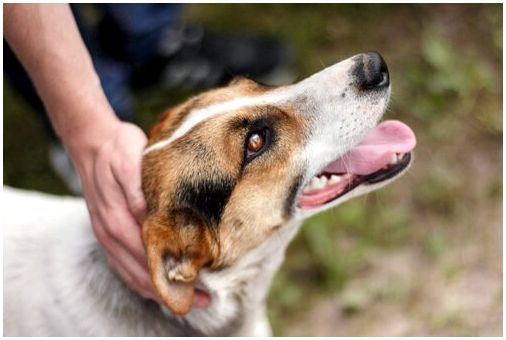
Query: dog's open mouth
x=382, y=154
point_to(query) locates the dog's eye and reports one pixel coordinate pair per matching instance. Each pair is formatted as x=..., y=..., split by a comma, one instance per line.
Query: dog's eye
x=256, y=143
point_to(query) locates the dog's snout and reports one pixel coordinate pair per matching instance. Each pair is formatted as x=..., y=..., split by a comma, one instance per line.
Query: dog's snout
x=371, y=72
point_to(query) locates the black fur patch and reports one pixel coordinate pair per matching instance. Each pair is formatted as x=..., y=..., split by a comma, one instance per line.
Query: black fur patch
x=208, y=198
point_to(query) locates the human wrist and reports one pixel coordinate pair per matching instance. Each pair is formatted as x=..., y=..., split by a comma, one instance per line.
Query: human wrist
x=87, y=131
x=82, y=117
x=83, y=142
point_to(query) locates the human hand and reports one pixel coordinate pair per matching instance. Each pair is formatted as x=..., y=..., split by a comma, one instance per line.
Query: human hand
x=106, y=152
x=110, y=173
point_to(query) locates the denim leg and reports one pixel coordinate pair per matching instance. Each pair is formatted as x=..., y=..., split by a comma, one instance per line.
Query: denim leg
x=114, y=74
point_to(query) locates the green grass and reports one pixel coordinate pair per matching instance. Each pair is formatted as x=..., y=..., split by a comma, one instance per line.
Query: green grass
x=446, y=68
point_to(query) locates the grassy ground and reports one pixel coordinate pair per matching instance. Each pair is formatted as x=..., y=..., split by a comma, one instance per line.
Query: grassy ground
x=421, y=257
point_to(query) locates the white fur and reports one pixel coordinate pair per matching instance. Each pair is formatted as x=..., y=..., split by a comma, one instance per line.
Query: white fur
x=56, y=281
x=48, y=272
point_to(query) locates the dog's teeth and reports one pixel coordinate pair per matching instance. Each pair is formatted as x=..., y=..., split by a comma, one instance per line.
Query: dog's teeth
x=313, y=185
x=334, y=179
x=399, y=156
x=314, y=182
x=393, y=160
x=320, y=183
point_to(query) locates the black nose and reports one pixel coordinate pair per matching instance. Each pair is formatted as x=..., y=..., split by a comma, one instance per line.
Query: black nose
x=371, y=71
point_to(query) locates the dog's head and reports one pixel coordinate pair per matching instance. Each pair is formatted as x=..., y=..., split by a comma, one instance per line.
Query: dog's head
x=227, y=170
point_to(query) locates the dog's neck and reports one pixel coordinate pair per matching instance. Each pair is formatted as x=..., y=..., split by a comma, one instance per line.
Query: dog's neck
x=237, y=302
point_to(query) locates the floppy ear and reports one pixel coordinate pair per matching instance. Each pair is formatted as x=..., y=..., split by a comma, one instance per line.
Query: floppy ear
x=177, y=246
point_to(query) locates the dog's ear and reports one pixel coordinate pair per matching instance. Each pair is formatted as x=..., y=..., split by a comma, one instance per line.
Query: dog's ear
x=237, y=80
x=240, y=80
x=178, y=246
x=157, y=127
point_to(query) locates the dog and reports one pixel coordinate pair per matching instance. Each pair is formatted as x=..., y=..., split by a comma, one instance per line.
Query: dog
x=228, y=177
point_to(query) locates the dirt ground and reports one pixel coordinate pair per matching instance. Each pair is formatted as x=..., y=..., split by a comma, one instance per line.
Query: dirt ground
x=420, y=257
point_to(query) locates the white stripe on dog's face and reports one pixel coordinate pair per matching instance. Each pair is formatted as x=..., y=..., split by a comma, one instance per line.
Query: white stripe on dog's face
x=198, y=115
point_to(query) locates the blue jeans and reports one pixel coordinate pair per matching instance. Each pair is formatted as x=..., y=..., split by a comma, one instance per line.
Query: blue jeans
x=140, y=28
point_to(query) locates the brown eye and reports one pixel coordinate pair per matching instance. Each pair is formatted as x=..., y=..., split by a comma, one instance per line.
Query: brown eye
x=255, y=142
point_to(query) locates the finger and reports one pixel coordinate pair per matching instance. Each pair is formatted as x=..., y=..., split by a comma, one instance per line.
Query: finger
x=115, y=217
x=126, y=167
x=127, y=175
x=122, y=231
x=128, y=267
x=128, y=278
x=107, y=189
x=130, y=281
x=124, y=258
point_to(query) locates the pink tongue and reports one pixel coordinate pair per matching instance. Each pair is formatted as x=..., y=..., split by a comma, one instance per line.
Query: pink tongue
x=376, y=149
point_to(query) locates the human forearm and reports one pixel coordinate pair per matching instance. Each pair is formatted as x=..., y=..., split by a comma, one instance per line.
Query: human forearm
x=106, y=152
x=47, y=41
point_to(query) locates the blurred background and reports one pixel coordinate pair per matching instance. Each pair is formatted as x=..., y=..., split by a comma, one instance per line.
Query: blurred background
x=420, y=257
